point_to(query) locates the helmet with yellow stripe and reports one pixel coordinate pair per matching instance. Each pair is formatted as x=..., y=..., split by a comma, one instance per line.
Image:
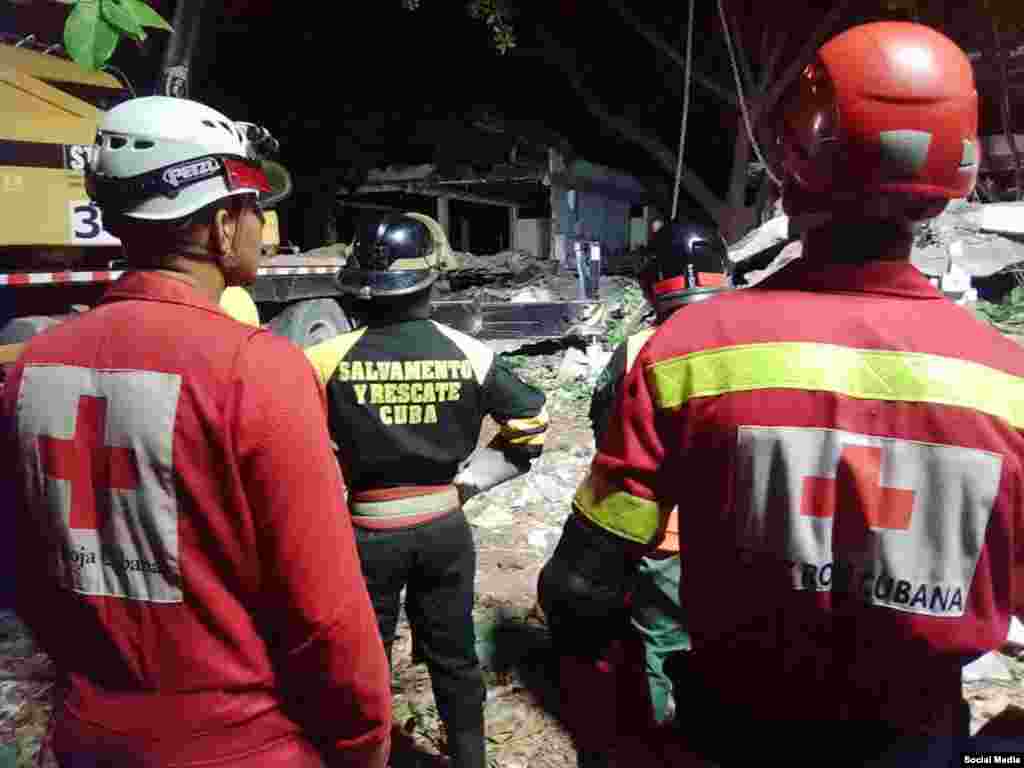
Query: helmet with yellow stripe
x=393, y=255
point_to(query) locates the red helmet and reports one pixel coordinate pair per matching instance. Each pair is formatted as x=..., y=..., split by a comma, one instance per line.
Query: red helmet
x=887, y=116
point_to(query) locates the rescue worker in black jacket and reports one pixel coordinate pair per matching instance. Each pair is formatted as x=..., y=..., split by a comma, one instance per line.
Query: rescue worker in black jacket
x=406, y=400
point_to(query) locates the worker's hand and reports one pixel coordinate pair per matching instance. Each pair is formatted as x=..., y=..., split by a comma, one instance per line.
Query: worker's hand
x=467, y=491
x=582, y=590
x=574, y=627
x=486, y=468
x=371, y=756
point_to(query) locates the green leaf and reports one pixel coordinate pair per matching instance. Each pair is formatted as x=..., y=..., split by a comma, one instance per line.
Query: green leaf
x=88, y=38
x=146, y=16
x=105, y=42
x=121, y=18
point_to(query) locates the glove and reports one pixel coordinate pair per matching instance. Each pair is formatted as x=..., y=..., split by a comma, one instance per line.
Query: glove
x=486, y=468
x=582, y=590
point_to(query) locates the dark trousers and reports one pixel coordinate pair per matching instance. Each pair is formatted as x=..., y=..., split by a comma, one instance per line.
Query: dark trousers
x=436, y=564
x=733, y=737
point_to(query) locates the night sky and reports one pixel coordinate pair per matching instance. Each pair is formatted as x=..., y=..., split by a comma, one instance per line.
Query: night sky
x=348, y=86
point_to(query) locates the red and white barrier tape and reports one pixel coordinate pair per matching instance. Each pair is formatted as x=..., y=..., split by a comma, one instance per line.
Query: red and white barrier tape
x=107, y=276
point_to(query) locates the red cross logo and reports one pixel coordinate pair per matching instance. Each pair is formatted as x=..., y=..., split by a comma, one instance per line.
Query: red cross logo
x=860, y=498
x=90, y=468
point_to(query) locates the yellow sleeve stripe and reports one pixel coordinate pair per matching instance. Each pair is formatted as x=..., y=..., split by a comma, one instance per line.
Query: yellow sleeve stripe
x=868, y=374
x=326, y=355
x=480, y=356
x=537, y=439
x=619, y=512
x=530, y=425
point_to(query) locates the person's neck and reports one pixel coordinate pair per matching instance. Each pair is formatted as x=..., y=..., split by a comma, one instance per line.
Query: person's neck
x=205, y=276
x=376, y=320
x=390, y=314
x=859, y=241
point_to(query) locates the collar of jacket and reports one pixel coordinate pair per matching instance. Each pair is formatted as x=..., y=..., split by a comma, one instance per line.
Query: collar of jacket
x=154, y=286
x=892, y=278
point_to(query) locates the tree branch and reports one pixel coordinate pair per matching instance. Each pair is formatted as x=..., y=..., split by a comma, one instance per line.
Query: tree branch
x=766, y=39
x=648, y=32
x=773, y=60
x=741, y=53
x=664, y=156
x=805, y=57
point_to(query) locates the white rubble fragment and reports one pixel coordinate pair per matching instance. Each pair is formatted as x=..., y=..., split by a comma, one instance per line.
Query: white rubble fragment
x=988, y=667
x=575, y=366
x=1015, y=637
x=532, y=294
x=544, y=538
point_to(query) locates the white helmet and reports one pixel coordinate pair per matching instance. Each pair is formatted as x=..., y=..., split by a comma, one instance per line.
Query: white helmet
x=162, y=158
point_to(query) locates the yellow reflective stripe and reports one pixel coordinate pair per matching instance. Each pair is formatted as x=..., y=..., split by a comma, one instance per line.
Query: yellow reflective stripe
x=634, y=344
x=326, y=355
x=525, y=439
x=620, y=513
x=861, y=373
x=481, y=357
x=530, y=425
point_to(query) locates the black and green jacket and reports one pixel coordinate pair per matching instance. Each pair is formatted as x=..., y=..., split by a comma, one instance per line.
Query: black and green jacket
x=406, y=402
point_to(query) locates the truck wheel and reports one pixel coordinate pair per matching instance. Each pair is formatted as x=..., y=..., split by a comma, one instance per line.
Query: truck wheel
x=309, y=322
x=24, y=328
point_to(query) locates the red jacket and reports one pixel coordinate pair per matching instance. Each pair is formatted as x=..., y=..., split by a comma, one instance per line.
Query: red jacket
x=184, y=552
x=845, y=448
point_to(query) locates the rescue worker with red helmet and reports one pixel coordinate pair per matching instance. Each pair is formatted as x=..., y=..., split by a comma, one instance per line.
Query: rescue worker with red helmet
x=184, y=552
x=406, y=399
x=842, y=441
x=687, y=262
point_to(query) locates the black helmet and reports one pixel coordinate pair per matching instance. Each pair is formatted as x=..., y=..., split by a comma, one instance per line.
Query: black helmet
x=393, y=255
x=686, y=262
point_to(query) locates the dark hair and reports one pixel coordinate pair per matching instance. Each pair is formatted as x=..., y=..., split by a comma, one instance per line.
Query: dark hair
x=161, y=237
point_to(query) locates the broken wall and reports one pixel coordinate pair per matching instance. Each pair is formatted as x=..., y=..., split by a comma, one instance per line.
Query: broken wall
x=593, y=217
x=534, y=236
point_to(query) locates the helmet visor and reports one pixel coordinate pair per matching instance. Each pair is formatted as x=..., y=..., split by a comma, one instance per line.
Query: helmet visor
x=245, y=174
x=121, y=195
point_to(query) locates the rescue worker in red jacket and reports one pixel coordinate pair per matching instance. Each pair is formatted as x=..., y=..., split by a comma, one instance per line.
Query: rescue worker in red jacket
x=843, y=443
x=406, y=399
x=687, y=263
x=184, y=552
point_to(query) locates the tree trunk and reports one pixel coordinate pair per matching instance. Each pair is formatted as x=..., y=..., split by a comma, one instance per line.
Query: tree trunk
x=175, y=74
x=730, y=217
x=1007, y=117
x=663, y=155
x=741, y=217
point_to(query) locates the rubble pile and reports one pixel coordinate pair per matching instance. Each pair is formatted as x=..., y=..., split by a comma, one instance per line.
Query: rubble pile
x=517, y=276
x=979, y=239
x=496, y=277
